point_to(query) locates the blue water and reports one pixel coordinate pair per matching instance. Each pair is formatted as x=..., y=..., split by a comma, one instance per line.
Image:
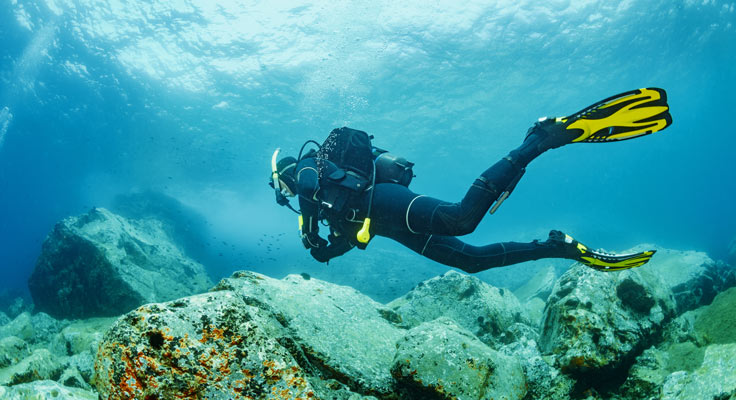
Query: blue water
x=188, y=99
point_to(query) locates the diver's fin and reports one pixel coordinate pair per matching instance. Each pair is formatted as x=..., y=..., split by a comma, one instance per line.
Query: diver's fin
x=623, y=116
x=597, y=259
x=614, y=262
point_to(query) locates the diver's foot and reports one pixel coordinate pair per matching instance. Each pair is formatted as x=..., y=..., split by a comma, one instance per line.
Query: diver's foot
x=596, y=259
x=548, y=133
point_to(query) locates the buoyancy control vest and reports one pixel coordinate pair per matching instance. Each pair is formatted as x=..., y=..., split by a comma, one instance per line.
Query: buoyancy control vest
x=349, y=165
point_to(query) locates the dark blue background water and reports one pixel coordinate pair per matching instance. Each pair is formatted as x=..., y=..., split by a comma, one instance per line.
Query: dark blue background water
x=185, y=100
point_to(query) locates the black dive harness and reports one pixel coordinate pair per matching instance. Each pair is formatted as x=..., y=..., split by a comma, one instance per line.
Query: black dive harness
x=341, y=185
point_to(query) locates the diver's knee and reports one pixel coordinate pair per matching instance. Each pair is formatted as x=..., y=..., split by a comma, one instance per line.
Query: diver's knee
x=451, y=222
x=463, y=227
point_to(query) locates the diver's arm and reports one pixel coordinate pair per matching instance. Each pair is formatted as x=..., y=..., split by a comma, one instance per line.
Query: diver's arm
x=308, y=185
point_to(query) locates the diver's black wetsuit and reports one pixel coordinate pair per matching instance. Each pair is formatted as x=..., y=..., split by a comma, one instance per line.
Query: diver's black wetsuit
x=424, y=224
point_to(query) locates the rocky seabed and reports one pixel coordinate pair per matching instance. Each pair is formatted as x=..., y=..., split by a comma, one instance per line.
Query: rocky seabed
x=663, y=331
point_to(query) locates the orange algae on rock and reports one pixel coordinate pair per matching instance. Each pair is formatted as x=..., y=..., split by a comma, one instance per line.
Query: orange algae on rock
x=215, y=351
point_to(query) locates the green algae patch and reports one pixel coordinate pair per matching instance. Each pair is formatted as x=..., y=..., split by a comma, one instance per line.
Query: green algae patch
x=717, y=322
x=685, y=357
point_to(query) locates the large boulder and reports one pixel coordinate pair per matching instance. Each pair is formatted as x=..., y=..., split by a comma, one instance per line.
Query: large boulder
x=597, y=323
x=252, y=337
x=343, y=333
x=484, y=310
x=439, y=360
x=693, y=277
x=100, y=264
x=212, y=346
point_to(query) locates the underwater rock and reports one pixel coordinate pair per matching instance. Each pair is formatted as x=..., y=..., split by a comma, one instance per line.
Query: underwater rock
x=682, y=329
x=100, y=264
x=440, y=360
x=647, y=376
x=44, y=390
x=212, y=346
x=343, y=333
x=80, y=336
x=32, y=329
x=694, y=278
x=12, y=303
x=71, y=377
x=186, y=227
x=539, y=286
x=534, y=293
x=544, y=382
x=732, y=253
x=40, y=365
x=18, y=306
x=535, y=311
x=717, y=322
x=12, y=350
x=596, y=323
x=485, y=310
x=83, y=362
x=715, y=379
x=330, y=389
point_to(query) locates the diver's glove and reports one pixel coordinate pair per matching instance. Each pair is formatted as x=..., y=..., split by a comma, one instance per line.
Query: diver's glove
x=321, y=254
x=339, y=245
x=312, y=240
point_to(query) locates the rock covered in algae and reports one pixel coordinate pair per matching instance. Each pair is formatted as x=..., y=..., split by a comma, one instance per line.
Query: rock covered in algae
x=484, y=310
x=342, y=332
x=596, y=321
x=440, y=360
x=717, y=322
x=654, y=365
x=714, y=379
x=100, y=264
x=209, y=346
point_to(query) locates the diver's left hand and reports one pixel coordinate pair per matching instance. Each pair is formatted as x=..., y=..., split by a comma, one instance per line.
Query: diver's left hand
x=320, y=254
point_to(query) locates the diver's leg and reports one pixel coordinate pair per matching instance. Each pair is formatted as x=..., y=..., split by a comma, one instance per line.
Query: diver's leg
x=428, y=215
x=451, y=251
x=423, y=214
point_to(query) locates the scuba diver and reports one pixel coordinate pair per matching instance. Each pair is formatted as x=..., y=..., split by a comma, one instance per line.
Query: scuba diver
x=361, y=191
